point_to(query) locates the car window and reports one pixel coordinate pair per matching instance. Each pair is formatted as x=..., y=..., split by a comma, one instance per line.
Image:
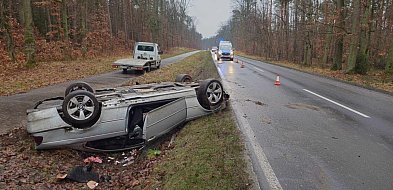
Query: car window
x=145, y=48
x=225, y=47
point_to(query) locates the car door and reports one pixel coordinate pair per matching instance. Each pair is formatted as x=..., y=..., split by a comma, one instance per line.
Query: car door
x=162, y=119
x=158, y=54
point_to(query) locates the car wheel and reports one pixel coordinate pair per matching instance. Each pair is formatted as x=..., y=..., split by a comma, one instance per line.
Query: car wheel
x=210, y=94
x=78, y=86
x=81, y=109
x=148, y=68
x=124, y=70
x=183, y=78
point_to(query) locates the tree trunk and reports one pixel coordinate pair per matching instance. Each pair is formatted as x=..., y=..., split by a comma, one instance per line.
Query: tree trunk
x=21, y=13
x=29, y=36
x=326, y=49
x=362, y=64
x=64, y=20
x=307, y=60
x=83, y=24
x=389, y=61
x=64, y=23
x=354, y=44
x=4, y=24
x=109, y=19
x=339, y=43
x=126, y=32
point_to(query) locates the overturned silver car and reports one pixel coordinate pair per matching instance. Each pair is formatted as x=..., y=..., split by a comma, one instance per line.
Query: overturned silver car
x=121, y=118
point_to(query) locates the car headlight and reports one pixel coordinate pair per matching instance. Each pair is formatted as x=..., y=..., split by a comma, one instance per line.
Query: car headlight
x=231, y=52
x=220, y=52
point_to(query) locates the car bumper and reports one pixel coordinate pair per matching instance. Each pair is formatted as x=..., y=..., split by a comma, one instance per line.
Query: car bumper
x=226, y=56
x=138, y=68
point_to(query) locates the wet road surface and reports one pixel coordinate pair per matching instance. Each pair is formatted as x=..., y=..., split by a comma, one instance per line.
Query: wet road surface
x=311, y=132
x=13, y=108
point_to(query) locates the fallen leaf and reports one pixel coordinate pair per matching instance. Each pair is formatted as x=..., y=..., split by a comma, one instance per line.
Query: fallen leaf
x=135, y=183
x=92, y=184
x=61, y=176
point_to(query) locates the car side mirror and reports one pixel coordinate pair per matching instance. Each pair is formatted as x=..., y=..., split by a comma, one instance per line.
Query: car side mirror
x=160, y=52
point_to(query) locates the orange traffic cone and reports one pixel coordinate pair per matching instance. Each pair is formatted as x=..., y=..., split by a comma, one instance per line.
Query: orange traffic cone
x=277, y=83
x=242, y=65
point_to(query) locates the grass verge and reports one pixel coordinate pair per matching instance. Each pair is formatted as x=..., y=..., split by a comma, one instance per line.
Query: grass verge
x=376, y=79
x=176, y=51
x=17, y=80
x=206, y=154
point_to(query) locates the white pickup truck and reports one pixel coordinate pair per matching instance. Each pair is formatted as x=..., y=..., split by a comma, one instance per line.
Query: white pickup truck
x=146, y=56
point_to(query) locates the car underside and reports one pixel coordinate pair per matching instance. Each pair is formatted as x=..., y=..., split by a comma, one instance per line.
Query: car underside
x=121, y=118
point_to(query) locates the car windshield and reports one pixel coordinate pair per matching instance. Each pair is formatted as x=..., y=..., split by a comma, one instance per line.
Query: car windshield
x=226, y=47
x=145, y=48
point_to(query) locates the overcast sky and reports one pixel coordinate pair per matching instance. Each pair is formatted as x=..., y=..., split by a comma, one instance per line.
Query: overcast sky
x=209, y=15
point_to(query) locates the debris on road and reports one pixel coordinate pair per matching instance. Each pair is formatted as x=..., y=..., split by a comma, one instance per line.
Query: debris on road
x=93, y=160
x=266, y=120
x=126, y=161
x=302, y=106
x=256, y=102
x=105, y=178
x=92, y=184
x=61, y=176
x=83, y=174
x=171, y=141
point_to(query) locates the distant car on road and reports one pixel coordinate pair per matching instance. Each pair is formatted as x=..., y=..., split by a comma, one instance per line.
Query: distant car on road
x=121, y=118
x=225, y=50
x=214, y=49
x=146, y=56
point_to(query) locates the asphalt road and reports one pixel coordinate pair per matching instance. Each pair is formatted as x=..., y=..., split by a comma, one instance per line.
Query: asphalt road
x=13, y=108
x=311, y=132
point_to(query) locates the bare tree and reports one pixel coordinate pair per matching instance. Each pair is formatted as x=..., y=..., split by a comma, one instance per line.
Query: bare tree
x=29, y=36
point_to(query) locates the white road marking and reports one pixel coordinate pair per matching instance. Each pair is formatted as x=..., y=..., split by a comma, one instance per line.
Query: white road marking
x=259, y=69
x=263, y=162
x=345, y=107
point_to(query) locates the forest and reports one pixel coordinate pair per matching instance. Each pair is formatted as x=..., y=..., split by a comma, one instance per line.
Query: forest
x=354, y=36
x=34, y=31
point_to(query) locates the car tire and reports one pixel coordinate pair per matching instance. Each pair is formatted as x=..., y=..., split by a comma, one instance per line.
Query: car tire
x=183, y=78
x=158, y=65
x=81, y=109
x=210, y=94
x=148, y=68
x=78, y=86
x=124, y=71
